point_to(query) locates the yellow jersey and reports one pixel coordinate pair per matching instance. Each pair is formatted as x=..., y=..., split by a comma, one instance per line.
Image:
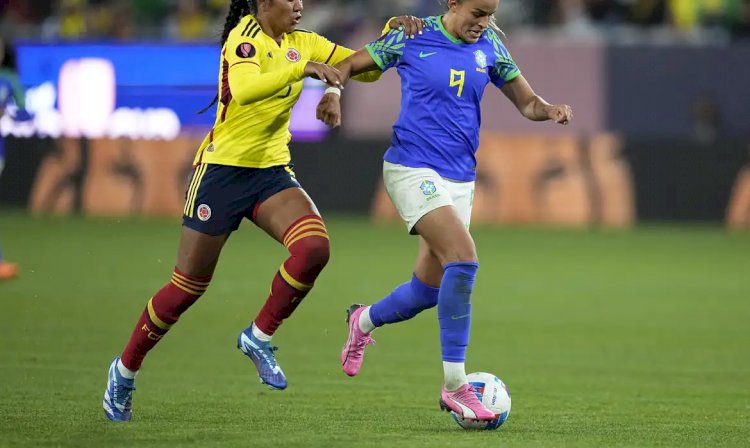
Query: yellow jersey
x=259, y=83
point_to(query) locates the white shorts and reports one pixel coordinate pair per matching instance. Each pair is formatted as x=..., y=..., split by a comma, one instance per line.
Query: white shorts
x=418, y=191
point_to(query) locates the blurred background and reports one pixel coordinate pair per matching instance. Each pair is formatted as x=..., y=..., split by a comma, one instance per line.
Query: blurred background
x=659, y=88
x=613, y=292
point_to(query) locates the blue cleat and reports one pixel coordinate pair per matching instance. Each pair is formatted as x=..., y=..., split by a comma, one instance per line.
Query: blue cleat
x=261, y=354
x=118, y=398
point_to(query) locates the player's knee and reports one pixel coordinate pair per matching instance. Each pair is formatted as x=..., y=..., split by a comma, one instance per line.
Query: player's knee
x=178, y=295
x=319, y=252
x=458, y=253
x=315, y=251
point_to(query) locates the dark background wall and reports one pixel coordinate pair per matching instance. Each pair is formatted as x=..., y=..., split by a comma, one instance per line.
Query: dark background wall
x=682, y=180
x=673, y=179
x=651, y=90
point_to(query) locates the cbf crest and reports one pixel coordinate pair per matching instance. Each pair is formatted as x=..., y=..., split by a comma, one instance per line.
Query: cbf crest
x=428, y=187
x=481, y=59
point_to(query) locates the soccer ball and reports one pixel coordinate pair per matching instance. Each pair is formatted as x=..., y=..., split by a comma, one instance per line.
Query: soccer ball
x=493, y=393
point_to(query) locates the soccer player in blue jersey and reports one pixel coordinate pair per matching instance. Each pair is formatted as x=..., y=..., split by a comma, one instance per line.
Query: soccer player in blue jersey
x=429, y=173
x=10, y=93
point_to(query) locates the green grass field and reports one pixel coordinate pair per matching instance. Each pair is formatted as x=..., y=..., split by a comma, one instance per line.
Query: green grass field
x=605, y=338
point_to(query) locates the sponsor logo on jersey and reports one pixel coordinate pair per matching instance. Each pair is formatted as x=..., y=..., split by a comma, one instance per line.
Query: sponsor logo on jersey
x=292, y=55
x=245, y=50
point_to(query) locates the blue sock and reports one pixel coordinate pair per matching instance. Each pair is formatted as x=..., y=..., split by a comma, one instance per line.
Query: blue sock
x=454, y=309
x=404, y=302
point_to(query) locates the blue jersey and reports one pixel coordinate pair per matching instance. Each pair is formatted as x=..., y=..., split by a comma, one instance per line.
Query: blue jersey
x=6, y=96
x=442, y=83
x=6, y=92
x=10, y=94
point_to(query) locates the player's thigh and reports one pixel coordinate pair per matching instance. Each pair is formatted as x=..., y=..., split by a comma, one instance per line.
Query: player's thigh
x=277, y=213
x=199, y=253
x=428, y=268
x=437, y=209
x=446, y=235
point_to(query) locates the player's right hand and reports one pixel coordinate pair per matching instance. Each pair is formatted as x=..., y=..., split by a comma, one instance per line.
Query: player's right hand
x=326, y=73
x=329, y=110
x=410, y=25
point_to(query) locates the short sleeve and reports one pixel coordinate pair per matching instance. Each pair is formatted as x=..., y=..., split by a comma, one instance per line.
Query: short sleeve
x=504, y=68
x=388, y=49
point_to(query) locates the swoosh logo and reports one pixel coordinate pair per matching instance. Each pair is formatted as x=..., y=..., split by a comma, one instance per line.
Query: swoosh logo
x=463, y=316
x=422, y=54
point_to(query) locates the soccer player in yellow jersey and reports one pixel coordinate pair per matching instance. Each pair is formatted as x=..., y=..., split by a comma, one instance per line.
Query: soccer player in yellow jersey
x=242, y=171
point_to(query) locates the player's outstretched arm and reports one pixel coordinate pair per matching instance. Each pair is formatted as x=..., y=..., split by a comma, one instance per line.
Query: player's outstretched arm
x=329, y=108
x=357, y=63
x=533, y=106
x=249, y=85
x=411, y=26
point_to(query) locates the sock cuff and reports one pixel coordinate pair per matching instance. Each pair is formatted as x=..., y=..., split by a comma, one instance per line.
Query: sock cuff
x=422, y=291
x=308, y=225
x=205, y=279
x=469, y=264
x=416, y=282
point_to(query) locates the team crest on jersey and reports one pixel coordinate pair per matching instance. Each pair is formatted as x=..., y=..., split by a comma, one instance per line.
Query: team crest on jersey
x=245, y=50
x=481, y=58
x=292, y=55
x=204, y=212
x=428, y=187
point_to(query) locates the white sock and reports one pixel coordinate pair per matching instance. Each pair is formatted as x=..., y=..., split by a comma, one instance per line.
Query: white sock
x=365, y=322
x=124, y=371
x=259, y=335
x=455, y=375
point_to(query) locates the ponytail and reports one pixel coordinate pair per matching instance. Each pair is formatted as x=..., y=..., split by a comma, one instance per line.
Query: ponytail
x=237, y=10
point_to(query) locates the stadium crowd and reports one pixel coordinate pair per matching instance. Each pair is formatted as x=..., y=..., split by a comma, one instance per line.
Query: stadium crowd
x=202, y=19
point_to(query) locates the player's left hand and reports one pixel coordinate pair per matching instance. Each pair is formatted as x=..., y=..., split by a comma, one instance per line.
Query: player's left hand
x=411, y=25
x=561, y=113
x=329, y=110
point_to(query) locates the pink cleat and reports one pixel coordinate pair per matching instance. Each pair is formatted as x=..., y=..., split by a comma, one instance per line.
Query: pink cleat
x=465, y=403
x=353, y=352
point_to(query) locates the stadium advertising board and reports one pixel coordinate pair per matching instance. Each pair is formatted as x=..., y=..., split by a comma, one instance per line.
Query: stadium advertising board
x=147, y=91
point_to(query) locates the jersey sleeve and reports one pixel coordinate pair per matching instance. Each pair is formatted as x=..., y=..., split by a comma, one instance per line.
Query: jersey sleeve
x=326, y=52
x=504, y=68
x=388, y=49
x=242, y=55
